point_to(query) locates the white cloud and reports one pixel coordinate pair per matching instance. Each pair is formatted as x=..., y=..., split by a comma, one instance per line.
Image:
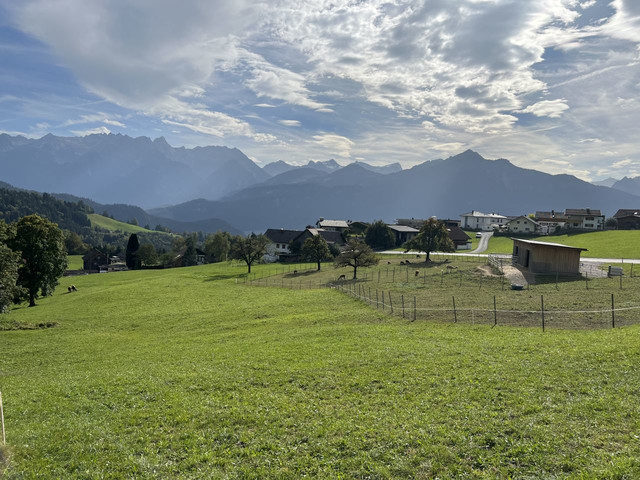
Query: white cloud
x=91, y=131
x=547, y=108
x=289, y=123
x=334, y=144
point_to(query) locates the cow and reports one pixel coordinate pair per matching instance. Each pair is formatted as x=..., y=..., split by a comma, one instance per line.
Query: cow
x=342, y=277
x=417, y=272
x=451, y=267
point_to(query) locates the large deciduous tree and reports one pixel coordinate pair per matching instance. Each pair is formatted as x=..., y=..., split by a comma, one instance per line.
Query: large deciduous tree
x=379, y=236
x=316, y=249
x=147, y=254
x=40, y=244
x=217, y=246
x=356, y=254
x=433, y=236
x=249, y=249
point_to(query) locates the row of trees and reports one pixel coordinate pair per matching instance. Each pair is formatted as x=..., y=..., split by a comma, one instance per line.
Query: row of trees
x=32, y=259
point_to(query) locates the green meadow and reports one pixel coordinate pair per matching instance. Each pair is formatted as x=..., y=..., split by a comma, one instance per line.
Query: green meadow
x=117, y=226
x=604, y=244
x=190, y=373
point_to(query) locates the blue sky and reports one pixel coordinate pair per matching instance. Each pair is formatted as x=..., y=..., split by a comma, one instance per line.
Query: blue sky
x=551, y=84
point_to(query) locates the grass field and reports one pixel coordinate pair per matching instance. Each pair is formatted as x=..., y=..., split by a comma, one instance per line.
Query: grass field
x=605, y=244
x=185, y=373
x=115, y=225
x=74, y=262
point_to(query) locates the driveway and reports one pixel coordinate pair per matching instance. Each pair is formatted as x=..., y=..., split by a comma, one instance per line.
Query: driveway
x=484, y=242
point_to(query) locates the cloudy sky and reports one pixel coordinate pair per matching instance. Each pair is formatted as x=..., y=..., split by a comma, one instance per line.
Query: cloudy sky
x=549, y=84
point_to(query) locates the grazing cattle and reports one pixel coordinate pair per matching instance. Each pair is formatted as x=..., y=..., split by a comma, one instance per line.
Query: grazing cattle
x=388, y=263
x=417, y=272
x=342, y=277
x=407, y=262
x=72, y=288
x=401, y=262
x=295, y=272
x=450, y=268
x=69, y=289
x=417, y=256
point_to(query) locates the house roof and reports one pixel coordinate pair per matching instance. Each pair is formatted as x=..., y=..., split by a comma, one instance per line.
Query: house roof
x=322, y=223
x=526, y=218
x=583, y=212
x=280, y=235
x=627, y=212
x=329, y=235
x=403, y=229
x=552, y=214
x=456, y=234
x=475, y=213
x=93, y=253
x=548, y=244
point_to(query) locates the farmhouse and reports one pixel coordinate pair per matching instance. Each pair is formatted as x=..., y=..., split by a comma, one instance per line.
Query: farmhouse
x=332, y=237
x=584, y=219
x=542, y=257
x=332, y=225
x=279, y=242
x=550, y=222
x=628, y=218
x=460, y=239
x=523, y=224
x=93, y=259
x=476, y=220
x=403, y=233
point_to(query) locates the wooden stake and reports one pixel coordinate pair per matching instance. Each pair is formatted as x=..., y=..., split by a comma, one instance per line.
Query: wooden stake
x=4, y=439
x=402, y=298
x=390, y=301
x=495, y=313
x=414, y=308
x=455, y=314
x=542, y=310
x=613, y=313
x=556, y=280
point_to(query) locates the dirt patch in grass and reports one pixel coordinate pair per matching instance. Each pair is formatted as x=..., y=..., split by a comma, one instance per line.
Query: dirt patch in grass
x=487, y=271
x=13, y=325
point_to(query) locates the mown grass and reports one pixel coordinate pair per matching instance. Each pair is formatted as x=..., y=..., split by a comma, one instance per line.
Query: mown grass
x=115, y=225
x=74, y=262
x=604, y=244
x=185, y=373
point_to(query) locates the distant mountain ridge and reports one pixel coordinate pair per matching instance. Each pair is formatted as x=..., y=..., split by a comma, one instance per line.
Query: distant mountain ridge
x=628, y=184
x=445, y=188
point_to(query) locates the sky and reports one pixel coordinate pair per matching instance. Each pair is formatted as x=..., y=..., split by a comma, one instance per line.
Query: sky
x=552, y=85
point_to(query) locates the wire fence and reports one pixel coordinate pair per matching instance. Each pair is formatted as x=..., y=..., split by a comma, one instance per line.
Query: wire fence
x=463, y=296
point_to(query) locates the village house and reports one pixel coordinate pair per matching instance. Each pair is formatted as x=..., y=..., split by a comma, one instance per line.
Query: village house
x=543, y=257
x=523, y=224
x=332, y=237
x=628, y=218
x=94, y=259
x=332, y=225
x=403, y=233
x=460, y=239
x=584, y=219
x=486, y=222
x=550, y=222
x=411, y=222
x=279, y=242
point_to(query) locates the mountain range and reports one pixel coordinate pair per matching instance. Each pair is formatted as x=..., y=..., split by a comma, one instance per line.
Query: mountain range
x=206, y=187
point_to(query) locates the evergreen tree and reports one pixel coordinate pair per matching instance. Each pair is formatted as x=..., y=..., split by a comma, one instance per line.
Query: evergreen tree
x=131, y=255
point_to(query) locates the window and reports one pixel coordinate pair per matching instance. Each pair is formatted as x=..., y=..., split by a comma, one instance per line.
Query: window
x=277, y=245
x=588, y=225
x=589, y=218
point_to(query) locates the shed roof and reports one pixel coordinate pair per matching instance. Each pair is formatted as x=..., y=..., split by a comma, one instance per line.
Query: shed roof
x=583, y=211
x=548, y=244
x=456, y=234
x=627, y=212
x=280, y=235
x=333, y=223
x=403, y=229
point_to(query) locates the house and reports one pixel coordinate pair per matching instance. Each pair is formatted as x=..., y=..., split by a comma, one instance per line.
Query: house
x=460, y=239
x=180, y=261
x=448, y=222
x=332, y=225
x=584, y=219
x=357, y=228
x=93, y=259
x=523, y=224
x=550, y=222
x=280, y=241
x=332, y=237
x=200, y=256
x=411, y=222
x=403, y=233
x=487, y=222
x=543, y=257
x=628, y=218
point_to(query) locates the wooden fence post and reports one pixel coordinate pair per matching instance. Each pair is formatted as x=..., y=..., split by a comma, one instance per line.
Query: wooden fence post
x=390, y=302
x=556, y=280
x=377, y=302
x=393, y=278
x=455, y=314
x=402, y=299
x=414, y=308
x=613, y=313
x=495, y=313
x=4, y=439
x=542, y=310
x=586, y=279
x=441, y=277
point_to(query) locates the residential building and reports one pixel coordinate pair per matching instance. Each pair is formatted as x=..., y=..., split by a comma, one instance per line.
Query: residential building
x=550, y=222
x=460, y=239
x=411, y=222
x=523, y=224
x=332, y=225
x=332, y=237
x=93, y=259
x=628, y=218
x=403, y=233
x=543, y=257
x=280, y=241
x=584, y=219
x=487, y=222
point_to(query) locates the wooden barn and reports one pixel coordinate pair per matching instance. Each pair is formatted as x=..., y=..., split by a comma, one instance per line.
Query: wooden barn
x=543, y=257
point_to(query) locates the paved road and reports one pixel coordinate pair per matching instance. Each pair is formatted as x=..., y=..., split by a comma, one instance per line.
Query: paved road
x=484, y=242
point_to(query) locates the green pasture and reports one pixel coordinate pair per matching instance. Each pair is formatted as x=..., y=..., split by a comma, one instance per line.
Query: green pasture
x=115, y=225
x=604, y=244
x=191, y=373
x=74, y=262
